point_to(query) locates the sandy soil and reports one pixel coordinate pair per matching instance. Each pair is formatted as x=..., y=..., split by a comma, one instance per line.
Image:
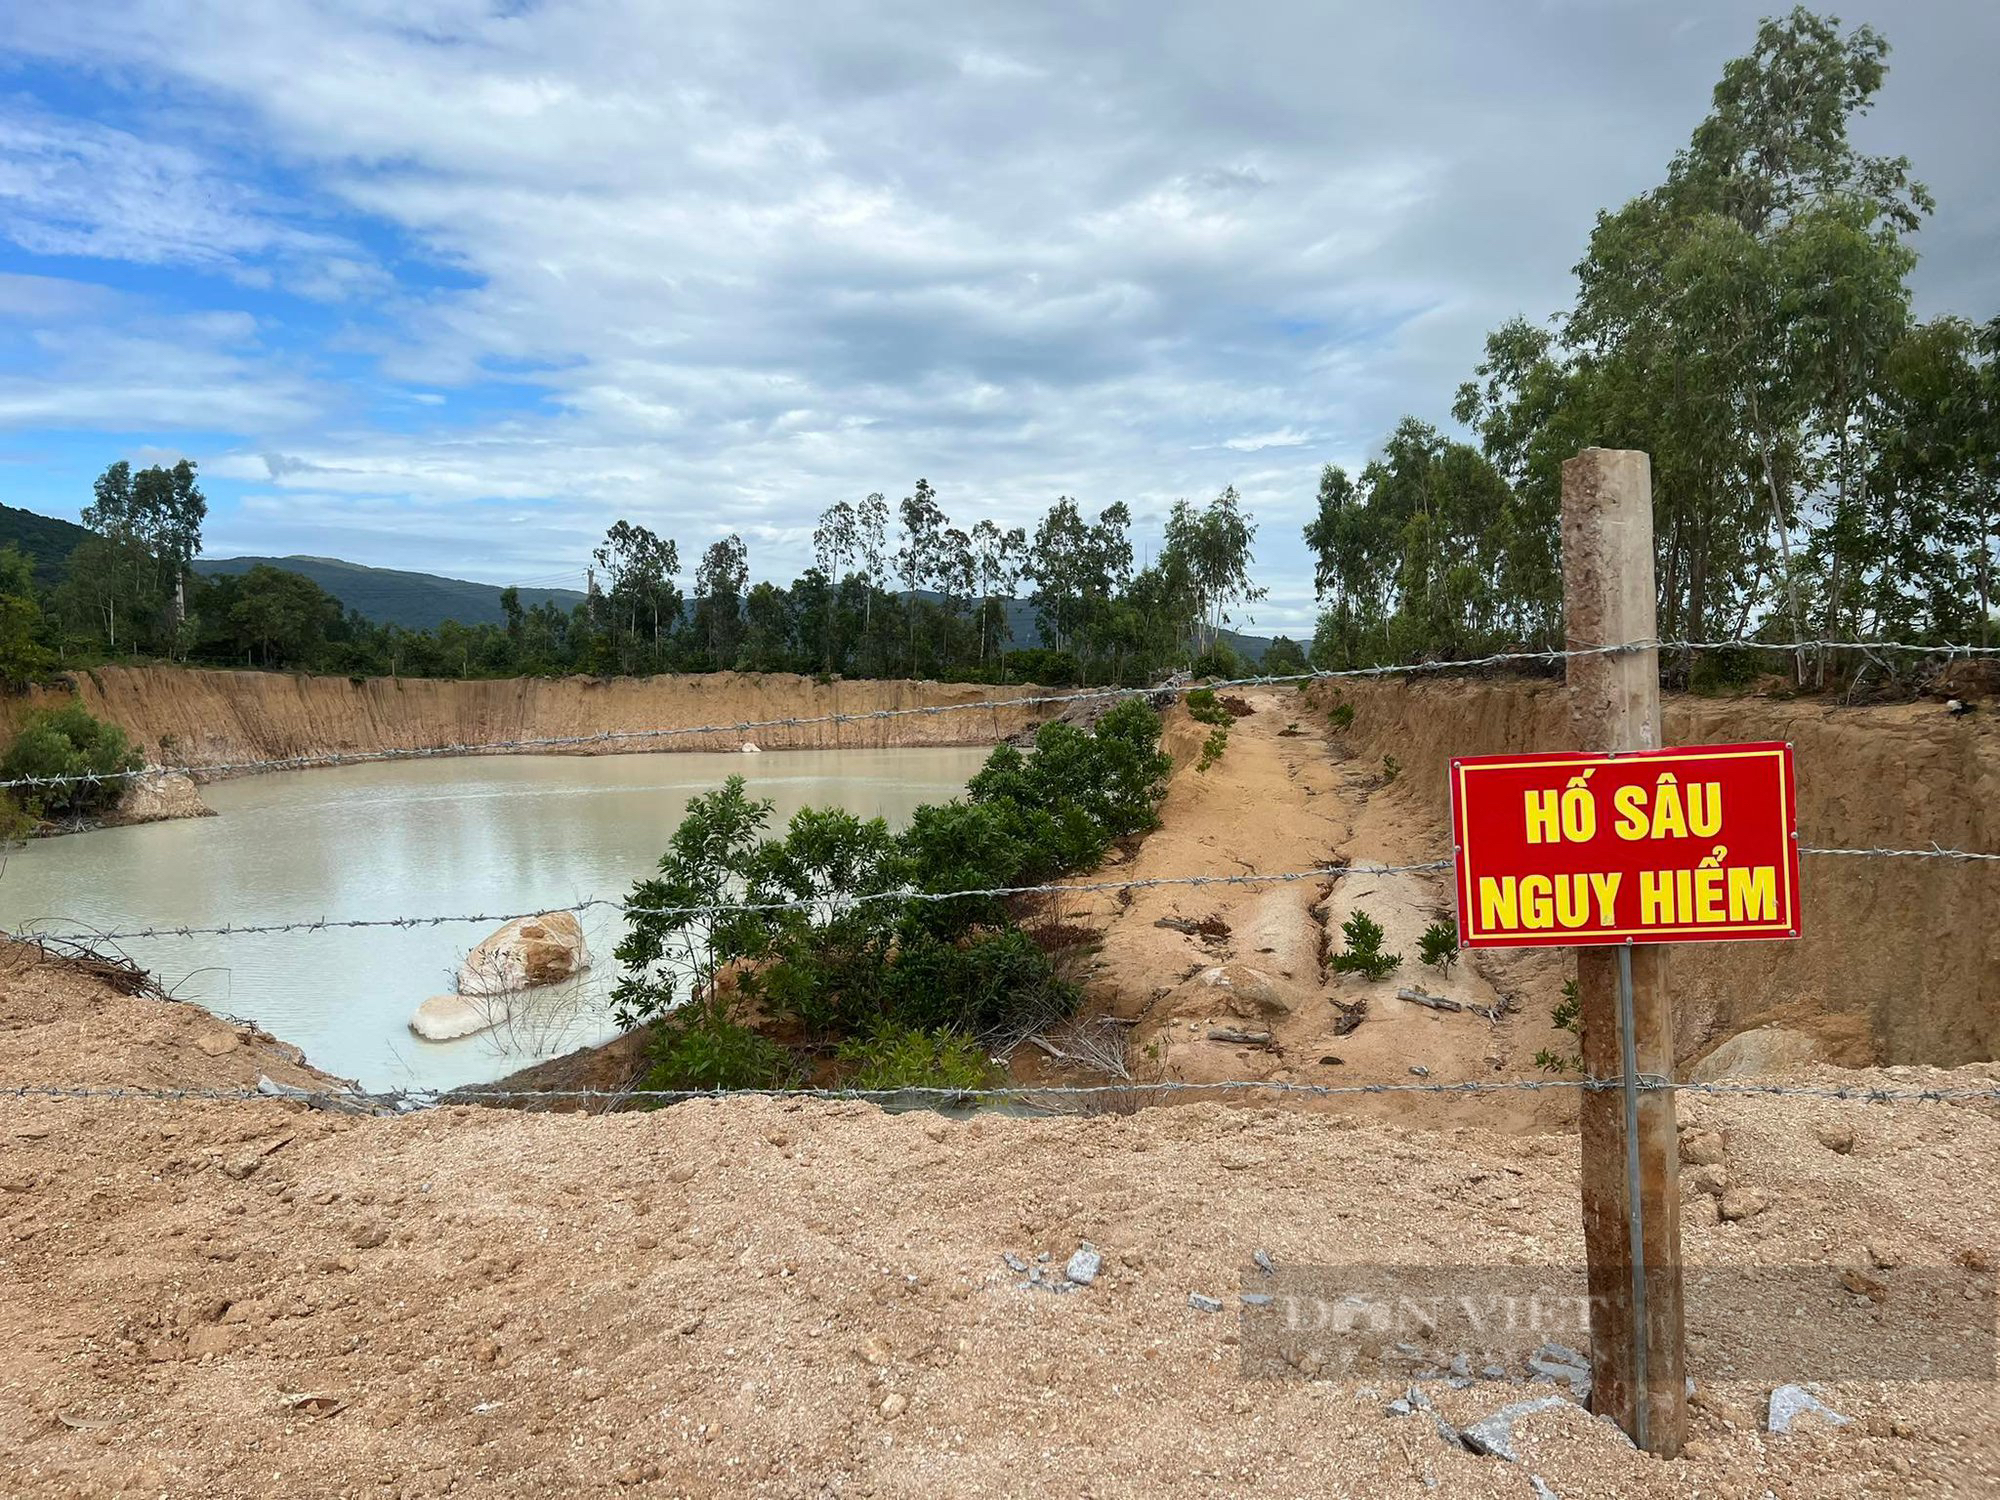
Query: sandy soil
x=1287, y=796
x=786, y=1298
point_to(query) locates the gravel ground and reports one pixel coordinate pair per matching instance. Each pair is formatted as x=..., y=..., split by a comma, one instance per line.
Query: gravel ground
x=802, y=1299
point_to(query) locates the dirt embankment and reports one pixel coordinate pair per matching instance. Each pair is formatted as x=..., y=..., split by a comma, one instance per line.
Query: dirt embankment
x=784, y=1298
x=1900, y=958
x=200, y=718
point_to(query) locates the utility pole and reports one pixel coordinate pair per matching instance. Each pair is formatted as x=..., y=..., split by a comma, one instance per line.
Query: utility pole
x=1631, y=1148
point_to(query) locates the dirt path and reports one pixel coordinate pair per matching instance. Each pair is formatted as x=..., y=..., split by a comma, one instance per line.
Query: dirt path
x=1286, y=796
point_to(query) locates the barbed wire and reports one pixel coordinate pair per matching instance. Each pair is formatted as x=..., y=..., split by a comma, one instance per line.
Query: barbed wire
x=409, y=1100
x=1935, y=851
x=842, y=904
x=1032, y=700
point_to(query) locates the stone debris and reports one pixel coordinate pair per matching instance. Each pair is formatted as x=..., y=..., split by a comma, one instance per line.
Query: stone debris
x=1084, y=1266
x=1414, y=1400
x=1739, y=1203
x=1264, y=1262
x=1702, y=1148
x=1204, y=1304
x=1541, y=1488
x=1257, y=1299
x=1791, y=1403
x=1555, y=1361
x=1014, y=1262
x=1494, y=1435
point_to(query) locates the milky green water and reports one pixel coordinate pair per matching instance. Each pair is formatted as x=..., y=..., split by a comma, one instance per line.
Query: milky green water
x=492, y=834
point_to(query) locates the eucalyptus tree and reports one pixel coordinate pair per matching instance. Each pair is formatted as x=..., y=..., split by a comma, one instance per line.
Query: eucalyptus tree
x=720, y=583
x=920, y=561
x=1212, y=544
x=997, y=560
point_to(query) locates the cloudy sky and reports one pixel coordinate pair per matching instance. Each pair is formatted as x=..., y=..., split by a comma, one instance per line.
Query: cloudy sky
x=453, y=284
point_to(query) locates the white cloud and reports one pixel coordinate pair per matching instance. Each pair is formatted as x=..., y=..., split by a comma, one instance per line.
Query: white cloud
x=718, y=266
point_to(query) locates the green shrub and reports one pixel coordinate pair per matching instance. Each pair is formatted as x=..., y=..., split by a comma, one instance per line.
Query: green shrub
x=69, y=741
x=1391, y=769
x=1364, y=953
x=904, y=1057
x=1218, y=661
x=701, y=1049
x=1438, y=946
x=1341, y=717
x=1212, y=748
x=1204, y=707
x=996, y=983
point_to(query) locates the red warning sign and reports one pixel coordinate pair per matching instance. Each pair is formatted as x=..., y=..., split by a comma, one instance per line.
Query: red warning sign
x=1657, y=846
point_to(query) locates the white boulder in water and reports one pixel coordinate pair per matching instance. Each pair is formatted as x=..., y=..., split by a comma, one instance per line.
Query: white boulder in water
x=526, y=953
x=750, y=749
x=444, y=1018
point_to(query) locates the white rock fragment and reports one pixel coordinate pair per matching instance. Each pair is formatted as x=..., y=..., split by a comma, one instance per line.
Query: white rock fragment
x=1084, y=1266
x=1494, y=1435
x=1791, y=1403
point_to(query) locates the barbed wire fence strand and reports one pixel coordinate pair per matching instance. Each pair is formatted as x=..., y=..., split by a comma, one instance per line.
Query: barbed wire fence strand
x=1033, y=700
x=397, y=1100
x=404, y=1100
x=824, y=902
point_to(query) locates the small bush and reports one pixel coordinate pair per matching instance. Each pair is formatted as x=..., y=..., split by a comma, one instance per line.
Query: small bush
x=1364, y=953
x=703, y=1049
x=904, y=1057
x=1391, y=769
x=69, y=741
x=998, y=983
x=1568, y=1016
x=1438, y=946
x=1212, y=748
x=1204, y=707
x=1341, y=717
x=1219, y=662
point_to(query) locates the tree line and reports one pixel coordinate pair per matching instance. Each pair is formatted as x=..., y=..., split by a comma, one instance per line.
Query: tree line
x=1825, y=465
x=908, y=595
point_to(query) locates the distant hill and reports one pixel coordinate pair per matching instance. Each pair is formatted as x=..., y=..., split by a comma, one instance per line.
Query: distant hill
x=415, y=601
x=47, y=541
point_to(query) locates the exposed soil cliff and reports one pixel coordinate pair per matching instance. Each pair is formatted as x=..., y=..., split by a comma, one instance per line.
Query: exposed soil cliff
x=1900, y=958
x=200, y=718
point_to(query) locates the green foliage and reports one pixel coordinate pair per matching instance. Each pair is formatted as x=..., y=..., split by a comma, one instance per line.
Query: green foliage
x=1203, y=706
x=993, y=982
x=1822, y=463
x=846, y=956
x=699, y=1049
x=1081, y=789
x=903, y=1057
x=1568, y=1016
x=1212, y=748
x=1219, y=664
x=1284, y=657
x=1438, y=946
x=670, y=955
x=1391, y=769
x=23, y=657
x=1363, y=954
x=68, y=741
x=1340, y=718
